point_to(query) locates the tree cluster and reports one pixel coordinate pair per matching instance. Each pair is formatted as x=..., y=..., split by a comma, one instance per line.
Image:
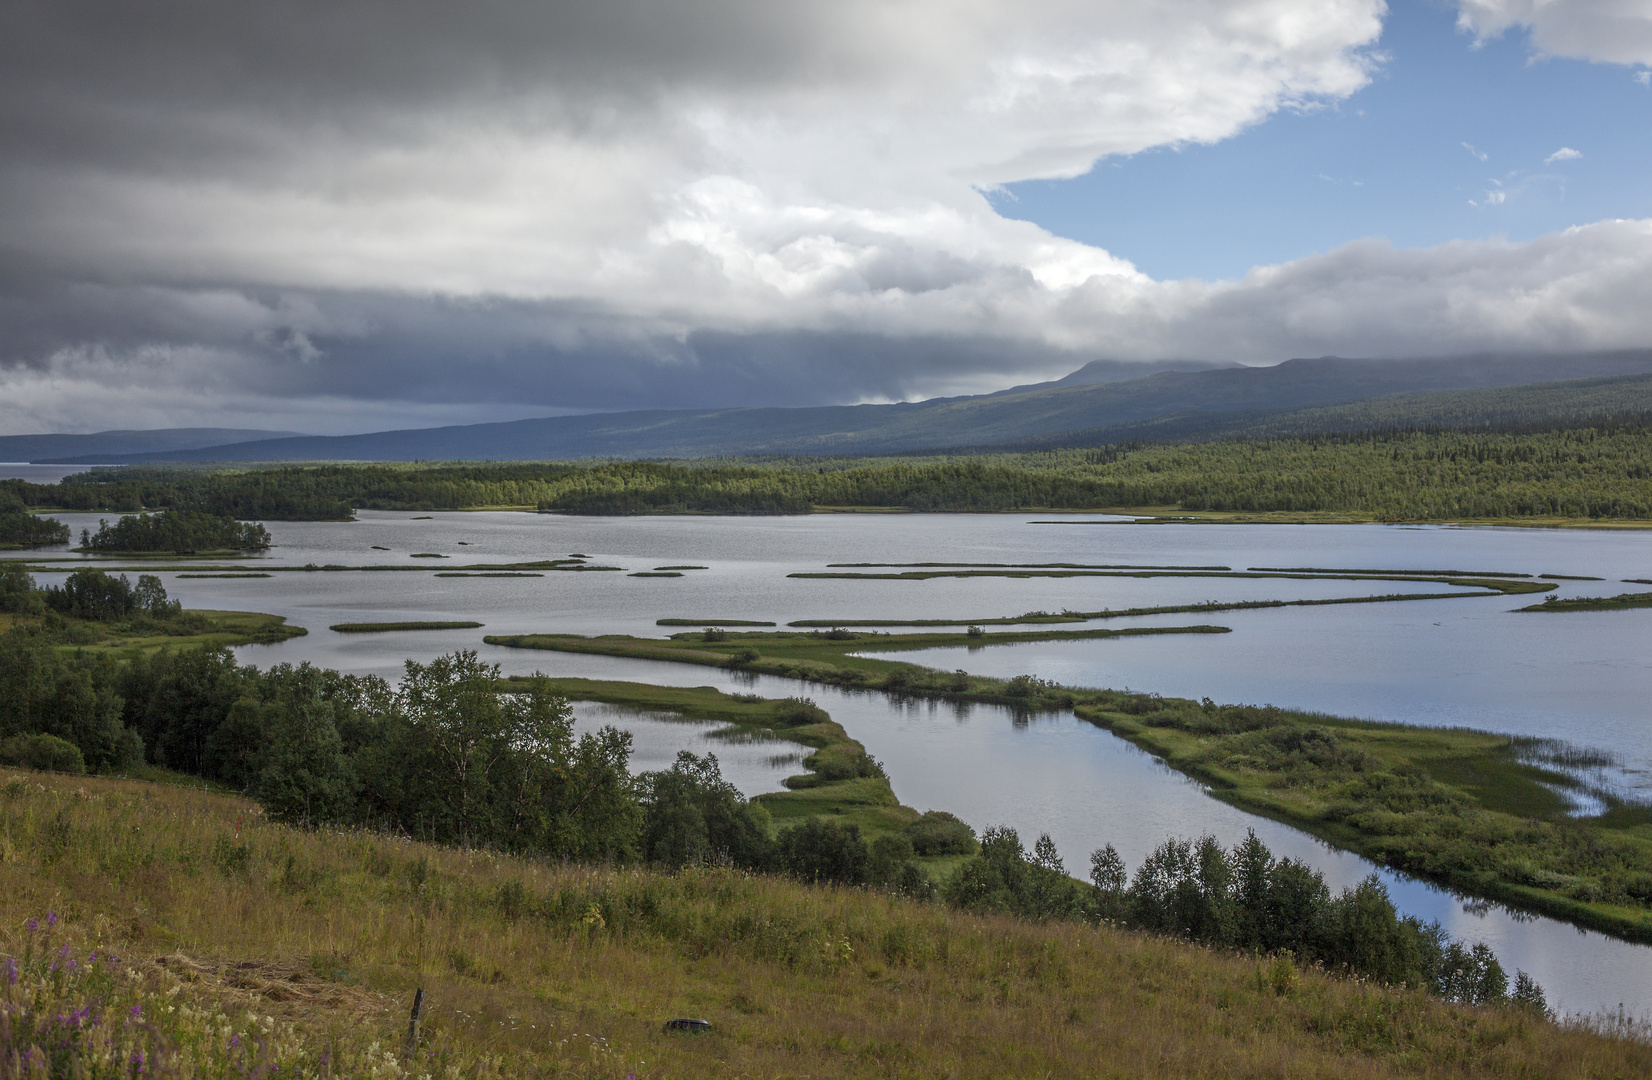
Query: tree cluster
x=1242, y=899
x=21, y=529
x=177, y=531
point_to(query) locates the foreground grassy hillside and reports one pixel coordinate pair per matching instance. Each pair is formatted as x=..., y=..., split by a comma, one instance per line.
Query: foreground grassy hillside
x=237, y=943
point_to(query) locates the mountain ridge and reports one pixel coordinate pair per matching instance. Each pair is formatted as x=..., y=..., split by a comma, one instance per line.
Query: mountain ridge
x=1087, y=410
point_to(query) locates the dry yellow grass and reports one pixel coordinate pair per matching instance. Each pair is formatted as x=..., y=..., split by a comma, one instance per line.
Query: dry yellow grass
x=545, y=969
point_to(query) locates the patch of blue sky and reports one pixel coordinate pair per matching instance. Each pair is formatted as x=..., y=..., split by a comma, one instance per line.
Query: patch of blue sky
x=1451, y=140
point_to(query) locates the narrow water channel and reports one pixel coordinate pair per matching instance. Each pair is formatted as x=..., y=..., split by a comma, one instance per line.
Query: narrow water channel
x=1058, y=774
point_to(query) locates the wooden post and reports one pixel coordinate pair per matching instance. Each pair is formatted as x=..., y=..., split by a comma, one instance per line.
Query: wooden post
x=413, y=1024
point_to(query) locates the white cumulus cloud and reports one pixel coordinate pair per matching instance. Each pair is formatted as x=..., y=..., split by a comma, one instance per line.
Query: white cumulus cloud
x=1612, y=31
x=1565, y=153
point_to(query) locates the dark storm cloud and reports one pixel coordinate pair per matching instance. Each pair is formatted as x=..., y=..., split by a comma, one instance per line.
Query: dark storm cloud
x=334, y=216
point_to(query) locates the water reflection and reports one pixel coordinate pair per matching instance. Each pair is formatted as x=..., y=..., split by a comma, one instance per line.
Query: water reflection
x=748, y=760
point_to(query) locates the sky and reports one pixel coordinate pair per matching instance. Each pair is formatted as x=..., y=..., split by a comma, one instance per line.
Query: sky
x=349, y=215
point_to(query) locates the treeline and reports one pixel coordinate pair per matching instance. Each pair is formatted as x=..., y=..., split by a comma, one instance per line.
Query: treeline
x=276, y=495
x=63, y=614
x=1245, y=900
x=1587, y=472
x=21, y=529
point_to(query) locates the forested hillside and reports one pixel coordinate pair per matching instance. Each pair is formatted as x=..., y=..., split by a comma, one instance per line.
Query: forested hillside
x=1590, y=472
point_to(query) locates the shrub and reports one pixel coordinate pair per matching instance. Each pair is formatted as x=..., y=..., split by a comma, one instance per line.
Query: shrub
x=940, y=833
x=797, y=712
x=45, y=752
x=823, y=851
x=852, y=766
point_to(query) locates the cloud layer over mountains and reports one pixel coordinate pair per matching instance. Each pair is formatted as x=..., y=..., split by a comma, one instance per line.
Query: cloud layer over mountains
x=353, y=214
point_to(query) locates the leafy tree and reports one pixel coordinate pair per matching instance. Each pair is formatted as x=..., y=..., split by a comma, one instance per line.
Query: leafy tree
x=176, y=701
x=305, y=777
x=1003, y=878
x=17, y=592
x=692, y=816
x=823, y=851
x=92, y=594
x=75, y=699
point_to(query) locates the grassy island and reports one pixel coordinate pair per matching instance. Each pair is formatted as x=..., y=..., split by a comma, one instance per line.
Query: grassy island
x=94, y=614
x=19, y=529
x=387, y=627
x=1594, y=603
x=840, y=779
x=1478, y=812
x=175, y=532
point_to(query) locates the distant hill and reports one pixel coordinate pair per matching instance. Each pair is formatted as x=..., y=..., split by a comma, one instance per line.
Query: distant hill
x=1169, y=404
x=1536, y=406
x=103, y=446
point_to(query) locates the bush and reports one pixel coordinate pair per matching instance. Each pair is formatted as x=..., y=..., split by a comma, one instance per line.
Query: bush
x=47, y=753
x=823, y=851
x=853, y=766
x=798, y=712
x=940, y=833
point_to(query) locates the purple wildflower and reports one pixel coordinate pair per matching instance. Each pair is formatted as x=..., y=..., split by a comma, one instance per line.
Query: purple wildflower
x=51, y=918
x=137, y=1012
x=31, y=925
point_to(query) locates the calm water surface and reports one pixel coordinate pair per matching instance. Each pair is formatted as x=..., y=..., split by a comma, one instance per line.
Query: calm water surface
x=1584, y=677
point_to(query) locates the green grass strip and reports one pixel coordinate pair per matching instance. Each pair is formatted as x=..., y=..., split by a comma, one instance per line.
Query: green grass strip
x=1594, y=603
x=1031, y=565
x=1397, y=573
x=385, y=627
x=190, y=577
x=460, y=573
x=711, y=622
x=1033, y=617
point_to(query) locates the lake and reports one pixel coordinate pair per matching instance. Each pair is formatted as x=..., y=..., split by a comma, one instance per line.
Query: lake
x=1584, y=677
